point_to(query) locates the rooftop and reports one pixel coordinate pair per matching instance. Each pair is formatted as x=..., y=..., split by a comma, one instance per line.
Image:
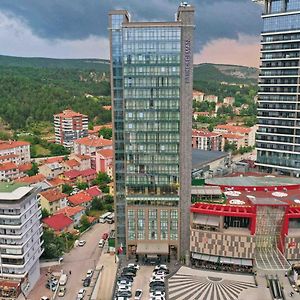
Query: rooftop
x=68, y=113
x=12, y=144
x=80, y=198
x=58, y=222
x=203, y=157
x=93, y=141
x=53, y=195
x=70, y=211
x=232, y=128
x=32, y=179
x=13, y=190
x=106, y=153
x=204, y=133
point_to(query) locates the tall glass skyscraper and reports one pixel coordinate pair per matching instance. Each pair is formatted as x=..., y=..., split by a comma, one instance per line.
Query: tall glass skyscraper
x=278, y=136
x=152, y=77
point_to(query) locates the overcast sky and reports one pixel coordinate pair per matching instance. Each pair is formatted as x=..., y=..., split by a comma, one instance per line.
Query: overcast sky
x=227, y=31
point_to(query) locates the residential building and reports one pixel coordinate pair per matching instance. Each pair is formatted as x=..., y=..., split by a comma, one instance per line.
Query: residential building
x=84, y=161
x=51, y=170
x=278, y=136
x=96, y=129
x=60, y=223
x=247, y=132
x=52, y=200
x=94, y=192
x=71, y=176
x=233, y=138
x=20, y=235
x=88, y=176
x=198, y=96
x=17, y=152
x=228, y=101
x=211, y=98
x=152, y=77
x=73, y=212
x=70, y=164
x=32, y=179
x=82, y=198
x=90, y=145
x=197, y=114
x=69, y=126
x=104, y=159
x=206, y=140
x=56, y=182
x=9, y=171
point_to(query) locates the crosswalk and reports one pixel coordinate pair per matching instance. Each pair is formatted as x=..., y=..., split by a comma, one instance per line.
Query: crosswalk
x=192, y=287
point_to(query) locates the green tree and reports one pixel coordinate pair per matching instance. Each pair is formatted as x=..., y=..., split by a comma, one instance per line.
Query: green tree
x=229, y=146
x=45, y=213
x=67, y=189
x=105, y=132
x=97, y=204
x=102, y=180
x=108, y=199
x=84, y=222
x=109, y=207
x=34, y=170
x=54, y=245
x=82, y=185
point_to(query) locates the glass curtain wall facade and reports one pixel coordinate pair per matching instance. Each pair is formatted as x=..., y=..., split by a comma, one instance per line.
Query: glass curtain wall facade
x=149, y=112
x=278, y=136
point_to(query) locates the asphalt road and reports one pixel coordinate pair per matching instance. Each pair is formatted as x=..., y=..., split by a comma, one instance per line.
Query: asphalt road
x=78, y=261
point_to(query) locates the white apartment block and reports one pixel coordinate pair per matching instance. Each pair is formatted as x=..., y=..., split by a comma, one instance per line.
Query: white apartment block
x=20, y=235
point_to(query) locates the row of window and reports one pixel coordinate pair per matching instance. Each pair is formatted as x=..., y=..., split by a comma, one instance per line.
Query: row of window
x=133, y=179
x=131, y=70
x=152, y=33
x=280, y=23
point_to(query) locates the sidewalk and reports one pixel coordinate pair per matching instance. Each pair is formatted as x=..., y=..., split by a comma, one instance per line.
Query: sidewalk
x=106, y=281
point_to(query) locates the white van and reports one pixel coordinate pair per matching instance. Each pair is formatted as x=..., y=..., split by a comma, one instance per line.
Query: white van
x=101, y=243
x=63, y=279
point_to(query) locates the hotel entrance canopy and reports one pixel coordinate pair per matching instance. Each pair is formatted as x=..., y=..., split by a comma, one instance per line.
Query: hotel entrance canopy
x=152, y=248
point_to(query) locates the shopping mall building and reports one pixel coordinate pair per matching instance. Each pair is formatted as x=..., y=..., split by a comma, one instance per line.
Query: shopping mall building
x=246, y=222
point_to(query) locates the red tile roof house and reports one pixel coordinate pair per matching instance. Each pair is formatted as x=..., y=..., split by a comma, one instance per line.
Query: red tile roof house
x=75, y=213
x=59, y=223
x=94, y=191
x=71, y=164
x=88, y=175
x=104, y=158
x=82, y=198
x=71, y=176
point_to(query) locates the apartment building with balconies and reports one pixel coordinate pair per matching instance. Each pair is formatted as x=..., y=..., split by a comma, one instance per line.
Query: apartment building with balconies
x=20, y=235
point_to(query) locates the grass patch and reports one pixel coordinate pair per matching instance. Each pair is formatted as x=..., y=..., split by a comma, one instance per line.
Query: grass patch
x=40, y=150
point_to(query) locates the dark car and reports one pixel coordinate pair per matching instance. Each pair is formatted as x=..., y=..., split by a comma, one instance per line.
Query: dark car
x=128, y=274
x=50, y=286
x=127, y=278
x=124, y=294
x=87, y=282
x=157, y=283
x=130, y=269
x=157, y=288
x=105, y=236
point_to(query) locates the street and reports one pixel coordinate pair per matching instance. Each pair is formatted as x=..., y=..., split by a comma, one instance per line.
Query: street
x=78, y=261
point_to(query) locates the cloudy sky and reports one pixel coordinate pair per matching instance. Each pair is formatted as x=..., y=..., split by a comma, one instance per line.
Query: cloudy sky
x=227, y=31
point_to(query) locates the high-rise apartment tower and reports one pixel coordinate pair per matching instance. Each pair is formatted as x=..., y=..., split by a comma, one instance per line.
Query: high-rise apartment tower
x=152, y=77
x=278, y=135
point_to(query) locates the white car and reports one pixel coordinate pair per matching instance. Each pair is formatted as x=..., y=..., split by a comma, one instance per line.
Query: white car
x=90, y=273
x=157, y=278
x=136, y=266
x=138, y=294
x=160, y=273
x=81, y=243
x=80, y=294
x=158, y=298
x=124, y=288
x=159, y=267
x=124, y=283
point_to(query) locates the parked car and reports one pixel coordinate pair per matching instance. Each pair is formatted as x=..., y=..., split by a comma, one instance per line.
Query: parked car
x=86, y=282
x=157, y=283
x=129, y=274
x=124, y=282
x=61, y=292
x=160, y=267
x=51, y=286
x=105, y=236
x=53, y=280
x=101, y=243
x=45, y=298
x=157, y=288
x=159, y=273
x=138, y=294
x=126, y=278
x=157, y=278
x=130, y=269
x=90, y=273
x=80, y=294
x=124, y=288
x=81, y=243
x=135, y=266
x=126, y=294
x=157, y=294
x=63, y=279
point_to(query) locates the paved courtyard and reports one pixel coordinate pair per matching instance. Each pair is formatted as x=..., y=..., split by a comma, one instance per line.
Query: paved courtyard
x=195, y=284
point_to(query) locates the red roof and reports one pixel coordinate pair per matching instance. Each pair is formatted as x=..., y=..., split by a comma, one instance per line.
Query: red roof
x=12, y=144
x=55, y=181
x=232, y=136
x=80, y=198
x=234, y=129
x=72, y=163
x=88, y=172
x=55, y=159
x=32, y=179
x=58, y=222
x=91, y=219
x=106, y=153
x=53, y=195
x=107, y=107
x=2, y=157
x=204, y=133
x=94, y=191
x=8, y=166
x=70, y=211
x=68, y=113
x=94, y=141
x=72, y=174
x=25, y=167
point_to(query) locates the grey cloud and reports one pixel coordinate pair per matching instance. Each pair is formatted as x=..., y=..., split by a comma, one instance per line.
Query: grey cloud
x=79, y=19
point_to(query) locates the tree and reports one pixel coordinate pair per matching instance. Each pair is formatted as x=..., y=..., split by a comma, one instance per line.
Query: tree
x=105, y=132
x=229, y=146
x=84, y=221
x=45, y=213
x=108, y=199
x=54, y=245
x=67, y=189
x=102, y=180
x=97, y=204
x=34, y=170
x=82, y=185
x=109, y=207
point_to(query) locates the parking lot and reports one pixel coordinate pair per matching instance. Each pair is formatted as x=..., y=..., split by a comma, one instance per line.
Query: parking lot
x=78, y=261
